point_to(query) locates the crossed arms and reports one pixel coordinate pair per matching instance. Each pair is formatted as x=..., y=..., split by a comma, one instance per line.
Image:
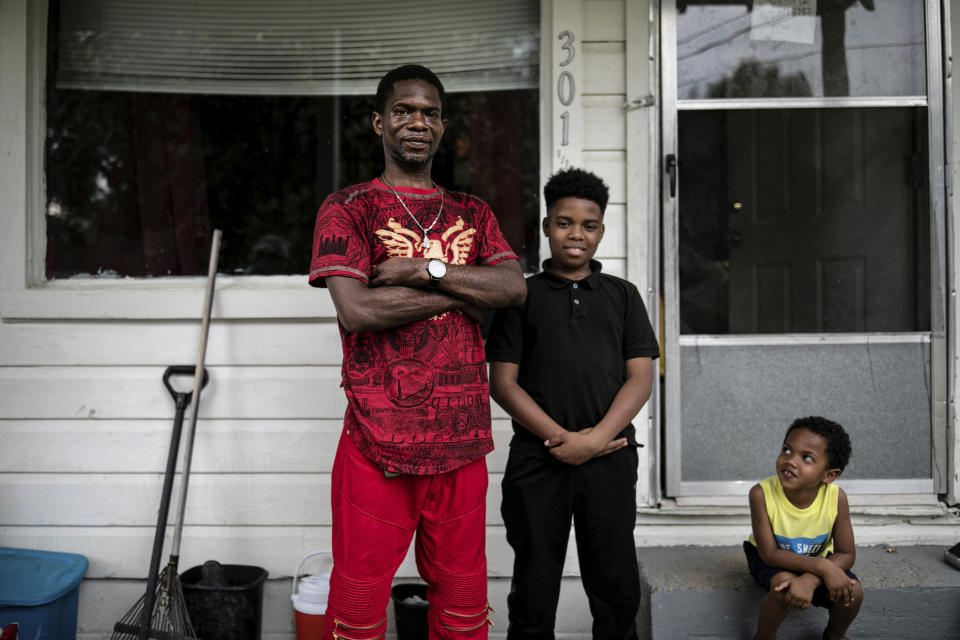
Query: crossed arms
x=395, y=295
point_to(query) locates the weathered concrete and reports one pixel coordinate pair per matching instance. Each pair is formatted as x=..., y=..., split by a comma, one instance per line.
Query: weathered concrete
x=706, y=593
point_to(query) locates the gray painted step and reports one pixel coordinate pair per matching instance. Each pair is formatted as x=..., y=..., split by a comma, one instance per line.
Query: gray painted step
x=706, y=593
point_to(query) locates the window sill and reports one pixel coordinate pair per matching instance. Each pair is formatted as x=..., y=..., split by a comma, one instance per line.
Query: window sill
x=876, y=506
x=246, y=297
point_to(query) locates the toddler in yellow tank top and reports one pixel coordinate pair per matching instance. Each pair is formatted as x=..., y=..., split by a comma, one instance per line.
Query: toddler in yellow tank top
x=802, y=548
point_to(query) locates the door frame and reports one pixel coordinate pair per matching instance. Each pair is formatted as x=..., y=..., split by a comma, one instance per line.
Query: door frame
x=941, y=366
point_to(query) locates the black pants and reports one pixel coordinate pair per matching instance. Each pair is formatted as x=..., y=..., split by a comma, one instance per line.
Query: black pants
x=540, y=496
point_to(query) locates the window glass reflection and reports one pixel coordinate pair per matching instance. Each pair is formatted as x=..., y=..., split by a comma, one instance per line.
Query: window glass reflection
x=798, y=48
x=803, y=220
x=136, y=181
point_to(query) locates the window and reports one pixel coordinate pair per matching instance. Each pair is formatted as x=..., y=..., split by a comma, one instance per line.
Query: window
x=800, y=48
x=167, y=120
x=818, y=221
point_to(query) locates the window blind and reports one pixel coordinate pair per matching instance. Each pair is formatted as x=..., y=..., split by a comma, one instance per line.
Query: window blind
x=293, y=47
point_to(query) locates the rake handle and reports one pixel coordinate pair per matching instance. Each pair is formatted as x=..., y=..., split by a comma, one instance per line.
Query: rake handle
x=197, y=385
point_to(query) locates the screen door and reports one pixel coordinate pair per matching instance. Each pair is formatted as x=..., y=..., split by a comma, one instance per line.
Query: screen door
x=803, y=219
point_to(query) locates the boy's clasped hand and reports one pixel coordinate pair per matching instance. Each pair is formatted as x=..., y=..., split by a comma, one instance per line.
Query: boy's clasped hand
x=576, y=447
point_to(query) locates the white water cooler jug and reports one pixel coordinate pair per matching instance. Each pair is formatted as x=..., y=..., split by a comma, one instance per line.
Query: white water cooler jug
x=309, y=596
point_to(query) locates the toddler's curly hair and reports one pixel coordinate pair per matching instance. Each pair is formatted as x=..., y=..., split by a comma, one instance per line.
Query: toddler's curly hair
x=839, y=448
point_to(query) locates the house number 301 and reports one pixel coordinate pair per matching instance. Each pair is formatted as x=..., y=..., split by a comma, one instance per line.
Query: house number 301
x=566, y=87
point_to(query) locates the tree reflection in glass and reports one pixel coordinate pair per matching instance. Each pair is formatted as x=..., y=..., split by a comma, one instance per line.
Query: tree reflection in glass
x=843, y=48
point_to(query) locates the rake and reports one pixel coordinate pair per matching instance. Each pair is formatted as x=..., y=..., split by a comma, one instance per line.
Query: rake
x=161, y=612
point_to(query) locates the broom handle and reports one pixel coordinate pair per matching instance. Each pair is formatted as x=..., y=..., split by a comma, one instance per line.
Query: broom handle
x=195, y=400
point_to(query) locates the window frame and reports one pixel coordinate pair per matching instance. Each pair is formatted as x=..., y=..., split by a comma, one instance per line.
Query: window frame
x=25, y=293
x=943, y=261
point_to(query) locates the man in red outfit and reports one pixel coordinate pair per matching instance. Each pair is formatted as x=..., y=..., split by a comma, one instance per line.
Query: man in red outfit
x=411, y=267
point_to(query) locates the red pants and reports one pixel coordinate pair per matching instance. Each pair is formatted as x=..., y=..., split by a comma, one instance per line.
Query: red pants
x=374, y=520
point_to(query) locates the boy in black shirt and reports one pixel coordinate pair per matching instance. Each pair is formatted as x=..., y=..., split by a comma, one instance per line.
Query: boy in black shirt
x=572, y=367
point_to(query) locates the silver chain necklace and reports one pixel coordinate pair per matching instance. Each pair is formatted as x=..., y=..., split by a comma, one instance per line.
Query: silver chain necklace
x=425, y=230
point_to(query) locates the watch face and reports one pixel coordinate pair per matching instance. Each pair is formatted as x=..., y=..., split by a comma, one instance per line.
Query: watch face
x=436, y=268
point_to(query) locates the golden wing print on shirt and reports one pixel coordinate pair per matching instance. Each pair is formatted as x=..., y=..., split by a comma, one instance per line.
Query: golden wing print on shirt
x=399, y=241
x=458, y=242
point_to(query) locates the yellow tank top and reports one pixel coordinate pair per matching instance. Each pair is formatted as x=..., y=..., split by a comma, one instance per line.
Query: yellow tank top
x=809, y=531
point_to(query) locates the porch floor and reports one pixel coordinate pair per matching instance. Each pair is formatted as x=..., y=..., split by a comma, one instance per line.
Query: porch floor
x=706, y=593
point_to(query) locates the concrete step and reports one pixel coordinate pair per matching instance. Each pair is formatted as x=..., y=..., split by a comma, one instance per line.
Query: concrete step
x=706, y=593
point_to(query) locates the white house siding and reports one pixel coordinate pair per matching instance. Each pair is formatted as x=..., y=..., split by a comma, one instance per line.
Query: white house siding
x=604, y=122
x=85, y=420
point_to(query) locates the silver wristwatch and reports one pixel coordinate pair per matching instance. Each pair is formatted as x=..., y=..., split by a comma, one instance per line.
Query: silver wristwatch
x=436, y=269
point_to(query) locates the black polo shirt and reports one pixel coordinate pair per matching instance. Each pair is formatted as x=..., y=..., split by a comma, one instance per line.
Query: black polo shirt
x=571, y=339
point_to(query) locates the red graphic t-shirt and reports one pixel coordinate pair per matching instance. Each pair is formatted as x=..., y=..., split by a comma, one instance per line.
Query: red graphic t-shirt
x=417, y=395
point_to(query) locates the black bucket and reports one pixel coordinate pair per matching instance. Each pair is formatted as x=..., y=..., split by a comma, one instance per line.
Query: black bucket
x=225, y=601
x=410, y=607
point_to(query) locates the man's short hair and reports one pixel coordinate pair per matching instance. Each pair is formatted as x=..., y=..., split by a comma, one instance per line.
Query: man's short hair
x=839, y=448
x=408, y=72
x=576, y=183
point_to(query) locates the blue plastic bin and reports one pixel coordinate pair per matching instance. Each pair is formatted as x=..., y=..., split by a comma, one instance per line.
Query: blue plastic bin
x=38, y=590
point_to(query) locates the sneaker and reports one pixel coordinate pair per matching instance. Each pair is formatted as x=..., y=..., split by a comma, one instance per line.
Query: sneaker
x=952, y=556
